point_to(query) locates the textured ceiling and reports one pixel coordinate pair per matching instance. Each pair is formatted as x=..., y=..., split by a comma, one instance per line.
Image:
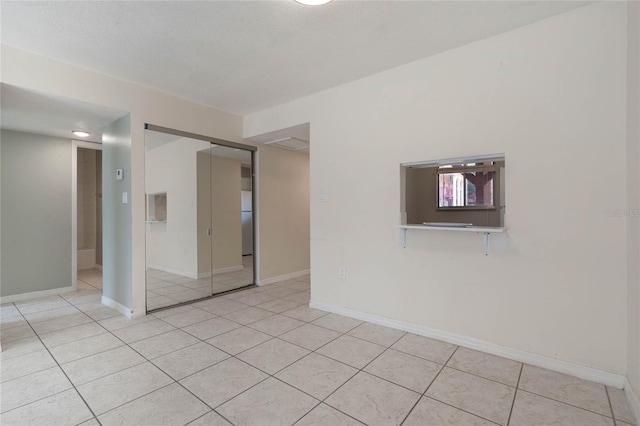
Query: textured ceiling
x=245, y=56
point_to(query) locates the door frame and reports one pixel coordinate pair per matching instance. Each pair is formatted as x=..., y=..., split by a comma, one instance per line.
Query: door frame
x=75, y=144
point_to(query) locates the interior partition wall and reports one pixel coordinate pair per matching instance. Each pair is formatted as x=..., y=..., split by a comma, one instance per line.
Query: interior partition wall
x=199, y=217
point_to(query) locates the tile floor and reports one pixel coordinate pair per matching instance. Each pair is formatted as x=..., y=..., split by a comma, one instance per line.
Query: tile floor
x=167, y=289
x=262, y=357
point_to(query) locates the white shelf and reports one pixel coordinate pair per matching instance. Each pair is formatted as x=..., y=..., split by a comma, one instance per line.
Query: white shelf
x=485, y=230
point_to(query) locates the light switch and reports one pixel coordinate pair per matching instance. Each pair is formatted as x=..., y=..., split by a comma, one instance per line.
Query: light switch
x=125, y=198
x=324, y=196
x=119, y=174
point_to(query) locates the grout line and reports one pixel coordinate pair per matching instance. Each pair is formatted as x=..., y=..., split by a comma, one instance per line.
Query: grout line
x=565, y=403
x=513, y=401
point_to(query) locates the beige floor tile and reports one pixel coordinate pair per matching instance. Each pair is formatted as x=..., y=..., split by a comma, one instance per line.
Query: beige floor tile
x=276, y=325
x=8, y=310
x=338, y=323
x=373, y=401
x=103, y=313
x=143, y=331
x=64, y=408
x=16, y=348
x=273, y=355
x=52, y=314
x=530, y=409
x=26, y=364
x=231, y=378
x=71, y=334
x=424, y=347
x=93, y=367
x=173, y=311
x=434, y=413
x=189, y=294
x=72, y=320
x=301, y=297
x=163, y=344
x=304, y=313
x=280, y=292
x=92, y=422
x=224, y=306
x=476, y=395
x=16, y=333
x=278, y=305
x=253, y=299
x=171, y=405
x=10, y=322
x=210, y=328
x=310, y=336
x=352, y=351
x=404, y=370
x=210, y=419
x=378, y=334
x=200, y=356
x=40, y=305
x=561, y=387
x=323, y=415
x=119, y=322
x=269, y=403
x=486, y=365
x=249, y=315
x=317, y=375
x=85, y=347
x=31, y=388
x=620, y=405
x=239, y=340
x=183, y=319
x=119, y=388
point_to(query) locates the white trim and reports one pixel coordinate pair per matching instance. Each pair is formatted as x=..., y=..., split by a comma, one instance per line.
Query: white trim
x=284, y=277
x=221, y=271
x=37, y=294
x=127, y=312
x=633, y=399
x=583, y=372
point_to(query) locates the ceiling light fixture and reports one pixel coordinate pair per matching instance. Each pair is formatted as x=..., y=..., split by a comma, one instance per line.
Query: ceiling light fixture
x=313, y=2
x=81, y=133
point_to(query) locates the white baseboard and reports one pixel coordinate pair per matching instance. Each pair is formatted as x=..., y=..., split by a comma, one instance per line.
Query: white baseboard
x=583, y=372
x=117, y=306
x=221, y=271
x=174, y=271
x=633, y=399
x=284, y=277
x=36, y=294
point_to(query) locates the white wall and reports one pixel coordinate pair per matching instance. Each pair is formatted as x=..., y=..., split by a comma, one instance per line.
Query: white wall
x=27, y=70
x=283, y=212
x=36, y=213
x=551, y=96
x=633, y=194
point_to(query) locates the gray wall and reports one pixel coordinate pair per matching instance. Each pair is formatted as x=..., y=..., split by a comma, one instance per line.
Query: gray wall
x=422, y=202
x=116, y=217
x=35, y=213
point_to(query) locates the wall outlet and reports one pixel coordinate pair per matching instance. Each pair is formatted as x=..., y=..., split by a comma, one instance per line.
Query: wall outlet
x=342, y=273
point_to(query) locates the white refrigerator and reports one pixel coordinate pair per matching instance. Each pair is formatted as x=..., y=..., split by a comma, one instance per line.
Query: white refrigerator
x=247, y=223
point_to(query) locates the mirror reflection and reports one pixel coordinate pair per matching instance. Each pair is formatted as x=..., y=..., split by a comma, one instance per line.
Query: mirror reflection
x=199, y=219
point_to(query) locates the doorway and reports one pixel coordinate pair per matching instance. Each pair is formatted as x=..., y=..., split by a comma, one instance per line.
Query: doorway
x=199, y=217
x=88, y=215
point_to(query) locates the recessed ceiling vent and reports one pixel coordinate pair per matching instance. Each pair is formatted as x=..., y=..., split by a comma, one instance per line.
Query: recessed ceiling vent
x=290, y=143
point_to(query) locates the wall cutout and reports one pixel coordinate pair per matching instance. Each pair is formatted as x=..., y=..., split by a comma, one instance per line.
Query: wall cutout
x=464, y=191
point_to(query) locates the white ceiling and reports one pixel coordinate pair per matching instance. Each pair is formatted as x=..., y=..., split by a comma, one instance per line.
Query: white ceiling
x=29, y=111
x=245, y=56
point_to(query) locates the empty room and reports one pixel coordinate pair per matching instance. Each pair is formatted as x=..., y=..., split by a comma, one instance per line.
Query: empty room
x=320, y=212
